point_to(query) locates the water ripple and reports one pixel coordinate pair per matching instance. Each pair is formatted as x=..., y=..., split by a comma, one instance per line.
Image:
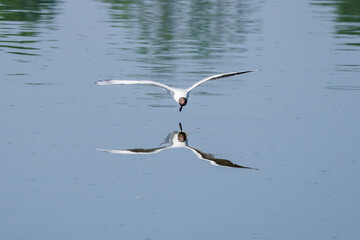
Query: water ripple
x=348, y=88
x=21, y=24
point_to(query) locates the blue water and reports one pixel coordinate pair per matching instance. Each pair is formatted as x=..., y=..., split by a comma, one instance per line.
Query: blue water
x=295, y=123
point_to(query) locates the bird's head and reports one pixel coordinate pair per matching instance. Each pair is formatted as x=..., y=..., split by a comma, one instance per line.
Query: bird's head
x=182, y=102
x=181, y=137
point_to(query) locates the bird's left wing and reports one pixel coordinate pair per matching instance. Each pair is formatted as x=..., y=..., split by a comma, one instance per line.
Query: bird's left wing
x=134, y=151
x=129, y=82
x=218, y=76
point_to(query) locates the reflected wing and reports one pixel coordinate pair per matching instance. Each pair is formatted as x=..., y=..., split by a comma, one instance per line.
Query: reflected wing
x=216, y=161
x=218, y=76
x=130, y=82
x=169, y=138
x=134, y=151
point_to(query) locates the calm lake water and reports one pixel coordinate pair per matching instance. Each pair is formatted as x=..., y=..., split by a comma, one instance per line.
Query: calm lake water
x=294, y=126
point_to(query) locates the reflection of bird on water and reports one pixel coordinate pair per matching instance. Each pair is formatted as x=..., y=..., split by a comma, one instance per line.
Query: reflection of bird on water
x=178, y=140
x=181, y=96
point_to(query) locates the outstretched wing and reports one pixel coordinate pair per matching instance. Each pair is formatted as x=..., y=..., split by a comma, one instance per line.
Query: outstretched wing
x=216, y=161
x=128, y=82
x=218, y=76
x=134, y=151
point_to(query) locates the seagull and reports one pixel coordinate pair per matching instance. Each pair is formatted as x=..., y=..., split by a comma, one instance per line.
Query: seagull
x=180, y=95
x=178, y=140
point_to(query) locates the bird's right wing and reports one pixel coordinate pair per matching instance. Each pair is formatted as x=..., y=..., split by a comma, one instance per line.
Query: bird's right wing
x=218, y=76
x=129, y=82
x=134, y=151
x=216, y=161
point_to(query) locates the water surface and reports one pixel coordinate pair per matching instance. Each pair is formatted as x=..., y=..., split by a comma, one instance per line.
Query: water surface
x=295, y=123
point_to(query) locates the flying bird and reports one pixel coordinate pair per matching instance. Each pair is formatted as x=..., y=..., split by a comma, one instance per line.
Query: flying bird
x=180, y=95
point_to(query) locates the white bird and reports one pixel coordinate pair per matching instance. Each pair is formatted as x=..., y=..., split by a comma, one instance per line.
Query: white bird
x=178, y=140
x=180, y=95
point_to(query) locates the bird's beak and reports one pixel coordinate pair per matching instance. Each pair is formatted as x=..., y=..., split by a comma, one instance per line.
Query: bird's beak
x=180, y=108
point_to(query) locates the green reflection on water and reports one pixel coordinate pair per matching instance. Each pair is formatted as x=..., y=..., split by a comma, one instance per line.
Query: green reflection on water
x=20, y=21
x=170, y=30
x=26, y=11
x=347, y=19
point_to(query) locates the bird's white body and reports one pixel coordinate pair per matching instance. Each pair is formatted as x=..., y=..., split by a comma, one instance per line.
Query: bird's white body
x=180, y=95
